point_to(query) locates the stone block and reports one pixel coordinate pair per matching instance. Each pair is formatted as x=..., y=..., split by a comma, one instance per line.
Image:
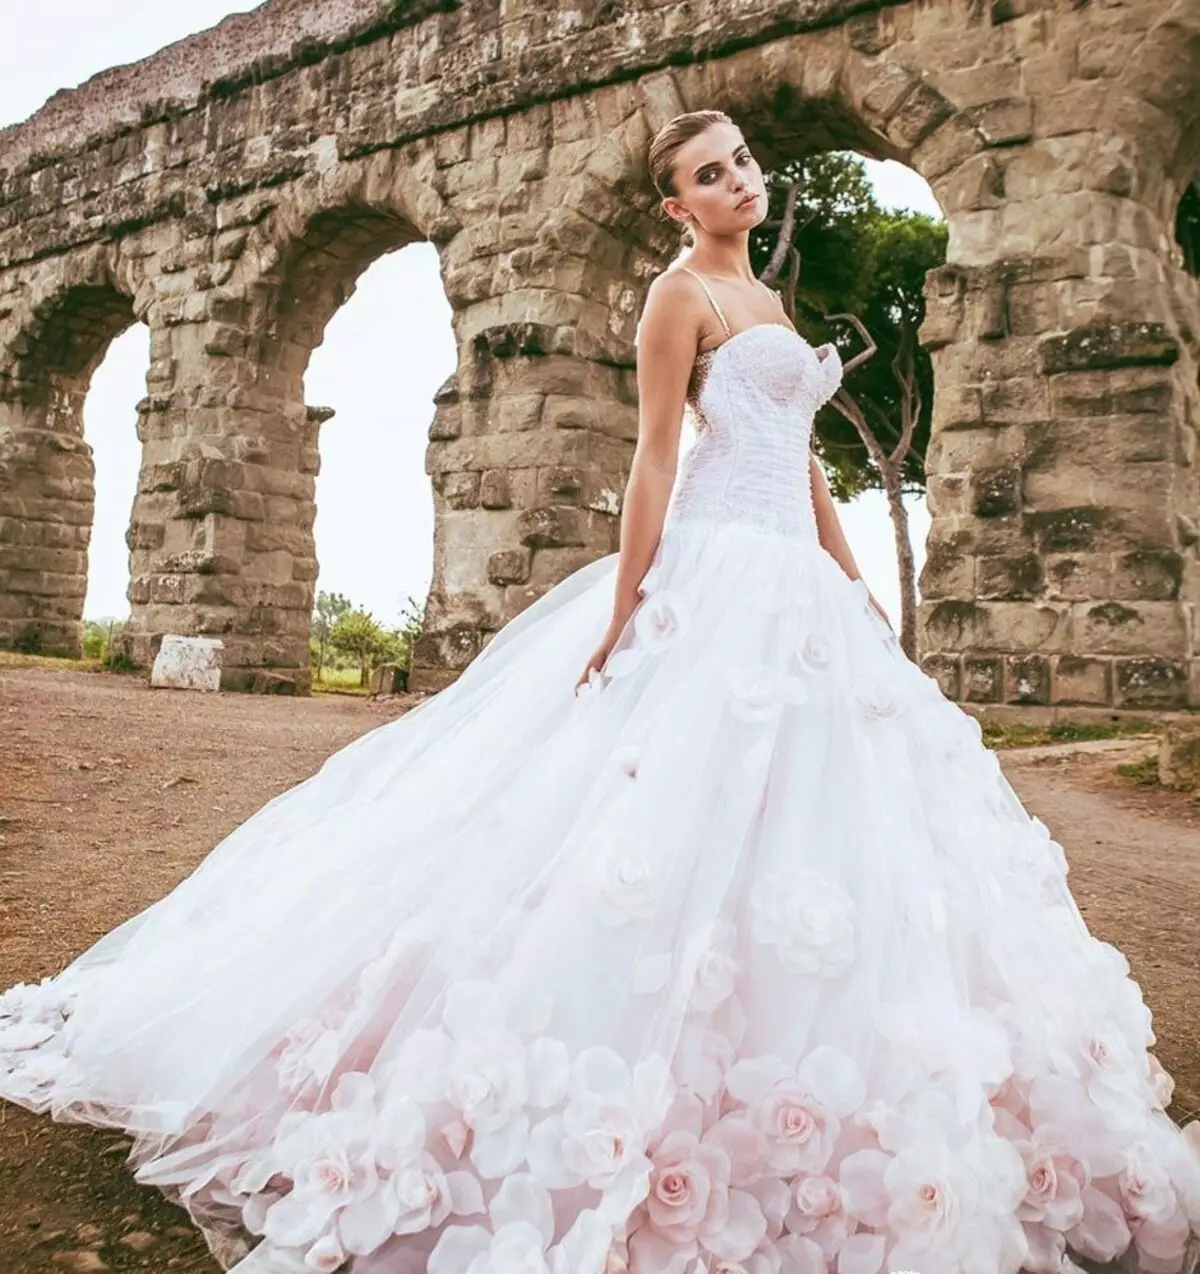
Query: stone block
x=1027, y=679
x=1005, y=122
x=1131, y=628
x=187, y=663
x=1151, y=683
x=945, y=670
x=996, y=492
x=389, y=679
x=495, y=490
x=553, y=526
x=1096, y=346
x=1083, y=681
x=509, y=566
x=982, y=679
x=459, y=490
x=1010, y=578
x=949, y=569
x=1179, y=755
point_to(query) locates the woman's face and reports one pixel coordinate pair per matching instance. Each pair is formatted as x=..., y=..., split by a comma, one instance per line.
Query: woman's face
x=719, y=183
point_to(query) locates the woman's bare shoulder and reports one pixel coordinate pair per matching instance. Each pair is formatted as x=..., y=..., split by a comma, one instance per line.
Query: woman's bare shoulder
x=671, y=298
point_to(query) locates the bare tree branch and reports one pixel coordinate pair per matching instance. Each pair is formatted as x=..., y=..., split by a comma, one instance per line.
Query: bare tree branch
x=889, y=462
x=786, y=237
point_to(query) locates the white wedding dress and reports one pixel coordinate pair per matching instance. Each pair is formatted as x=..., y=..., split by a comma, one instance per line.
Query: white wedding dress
x=747, y=960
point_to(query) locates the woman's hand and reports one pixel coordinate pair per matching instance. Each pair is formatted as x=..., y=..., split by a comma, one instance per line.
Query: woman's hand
x=880, y=611
x=596, y=661
x=599, y=656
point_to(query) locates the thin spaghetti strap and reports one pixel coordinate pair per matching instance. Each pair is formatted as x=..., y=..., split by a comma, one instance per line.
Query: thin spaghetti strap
x=710, y=296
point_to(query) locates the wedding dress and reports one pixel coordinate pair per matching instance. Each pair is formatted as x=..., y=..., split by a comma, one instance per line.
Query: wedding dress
x=745, y=960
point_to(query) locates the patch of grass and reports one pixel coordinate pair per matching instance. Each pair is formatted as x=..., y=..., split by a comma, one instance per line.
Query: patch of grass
x=17, y=659
x=1144, y=772
x=1017, y=735
x=338, y=681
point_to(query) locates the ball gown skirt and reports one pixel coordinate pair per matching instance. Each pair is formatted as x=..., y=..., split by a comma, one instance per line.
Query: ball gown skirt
x=745, y=960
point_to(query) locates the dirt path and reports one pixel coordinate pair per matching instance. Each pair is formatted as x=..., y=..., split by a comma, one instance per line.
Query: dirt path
x=111, y=793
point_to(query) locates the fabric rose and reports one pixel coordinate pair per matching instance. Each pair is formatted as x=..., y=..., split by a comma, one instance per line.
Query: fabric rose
x=1162, y=1082
x=1145, y=1185
x=809, y=920
x=791, y=1117
x=486, y=1073
x=689, y=1188
x=816, y=653
x=1056, y=1181
x=658, y=623
x=32, y=1013
x=307, y=1059
x=626, y=883
x=760, y=693
x=943, y=1202
x=519, y=1242
x=336, y=1186
x=600, y=1136
x=716, y=968
x=879, y=697
x=819, y=1213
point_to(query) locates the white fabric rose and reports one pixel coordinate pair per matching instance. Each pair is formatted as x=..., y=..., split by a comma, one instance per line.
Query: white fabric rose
x=759, y=693
x=336, y=1187
x=716, y=968
x=522, y=1217
x=818, y=1212
x=658, y=623
x=809, y=920
x=626, y=882
x=307, y=1059
x=600, y=1136
x=942, y=1202
x=815, y=651
x=879, y=697
x=32, y=1013
x=1145, y=1185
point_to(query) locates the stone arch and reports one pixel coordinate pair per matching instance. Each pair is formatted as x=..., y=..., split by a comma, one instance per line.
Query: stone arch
x=46, y=470
x=1049, y=329
x=1056, y=136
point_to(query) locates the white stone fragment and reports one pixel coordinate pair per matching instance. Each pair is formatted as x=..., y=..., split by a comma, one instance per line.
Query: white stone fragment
x=188, y=663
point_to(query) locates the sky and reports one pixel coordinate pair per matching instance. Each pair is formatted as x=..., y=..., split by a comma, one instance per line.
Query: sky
x=384, y=355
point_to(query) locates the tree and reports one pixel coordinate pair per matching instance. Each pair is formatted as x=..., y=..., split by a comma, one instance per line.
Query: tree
x=412, y=624
x=864, y=272
x=355, y=633
x=329, y=609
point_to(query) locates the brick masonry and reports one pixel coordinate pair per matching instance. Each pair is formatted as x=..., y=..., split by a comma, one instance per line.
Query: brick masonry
x=229, y=190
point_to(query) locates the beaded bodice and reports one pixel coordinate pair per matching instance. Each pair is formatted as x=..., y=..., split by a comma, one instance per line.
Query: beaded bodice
x=753, y=399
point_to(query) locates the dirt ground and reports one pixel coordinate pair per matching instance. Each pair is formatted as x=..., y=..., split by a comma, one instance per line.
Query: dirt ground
x=111, y=793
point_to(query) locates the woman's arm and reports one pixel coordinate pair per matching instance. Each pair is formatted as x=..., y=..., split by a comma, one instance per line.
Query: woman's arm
x=667, y=337
x=829, y=530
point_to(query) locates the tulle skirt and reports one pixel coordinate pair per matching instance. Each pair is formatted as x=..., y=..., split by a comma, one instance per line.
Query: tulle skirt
x=746, y=960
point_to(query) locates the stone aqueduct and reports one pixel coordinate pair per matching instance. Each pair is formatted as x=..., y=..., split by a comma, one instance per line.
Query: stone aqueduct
x=228, y=191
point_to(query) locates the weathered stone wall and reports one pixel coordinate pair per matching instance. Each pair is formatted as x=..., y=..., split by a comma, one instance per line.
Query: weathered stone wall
x=233, y=213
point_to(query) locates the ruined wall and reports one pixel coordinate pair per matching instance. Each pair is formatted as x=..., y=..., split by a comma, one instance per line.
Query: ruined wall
x=229, y=191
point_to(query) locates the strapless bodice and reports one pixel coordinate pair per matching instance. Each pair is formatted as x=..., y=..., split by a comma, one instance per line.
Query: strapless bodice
x=753, y=399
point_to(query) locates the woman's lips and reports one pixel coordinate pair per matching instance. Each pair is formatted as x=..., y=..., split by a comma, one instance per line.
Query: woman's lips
x=748, y=199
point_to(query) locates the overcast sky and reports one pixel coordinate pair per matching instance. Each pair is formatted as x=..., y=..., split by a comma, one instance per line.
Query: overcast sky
x=384, y=354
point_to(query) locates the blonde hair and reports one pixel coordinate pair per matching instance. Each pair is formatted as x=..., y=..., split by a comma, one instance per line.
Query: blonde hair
x=665, y=145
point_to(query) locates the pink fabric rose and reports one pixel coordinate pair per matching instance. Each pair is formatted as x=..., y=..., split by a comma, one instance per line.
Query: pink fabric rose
x=689, y=1188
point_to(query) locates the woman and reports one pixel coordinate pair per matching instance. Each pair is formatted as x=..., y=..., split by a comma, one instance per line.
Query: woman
x=735, y=954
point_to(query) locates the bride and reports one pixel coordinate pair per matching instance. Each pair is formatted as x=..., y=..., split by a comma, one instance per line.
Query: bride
x=724, y=948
